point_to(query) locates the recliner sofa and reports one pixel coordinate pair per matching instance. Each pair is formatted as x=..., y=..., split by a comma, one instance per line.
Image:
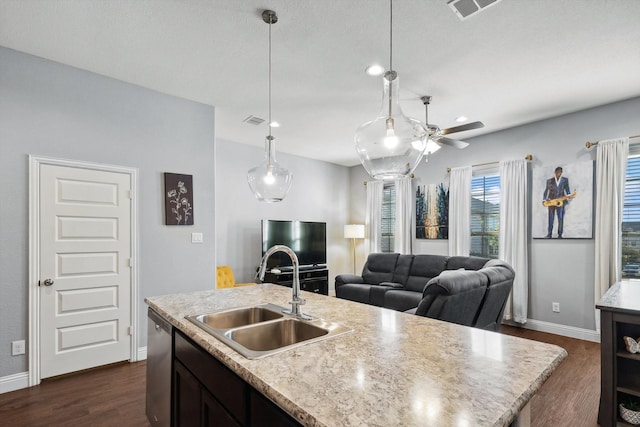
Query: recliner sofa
x=467, y=290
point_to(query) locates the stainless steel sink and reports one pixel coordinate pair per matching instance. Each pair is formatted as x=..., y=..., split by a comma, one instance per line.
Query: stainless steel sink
x=263, y=330
x=274, y=335
x=238, y=317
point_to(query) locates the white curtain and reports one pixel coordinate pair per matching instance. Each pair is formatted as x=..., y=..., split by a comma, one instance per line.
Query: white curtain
x=460, y=211
x=404, y=216
x=373, y=216
x=513, y=234
x=611, y=169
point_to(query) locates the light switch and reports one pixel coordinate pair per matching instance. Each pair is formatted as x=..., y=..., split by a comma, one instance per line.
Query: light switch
x=197, y=238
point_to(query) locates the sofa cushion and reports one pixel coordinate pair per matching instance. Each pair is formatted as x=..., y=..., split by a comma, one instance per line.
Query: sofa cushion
x=379, y=267
x=423, y=269
x=401, y=272
x=401, y=300
x=466, y=262
x=376, y=294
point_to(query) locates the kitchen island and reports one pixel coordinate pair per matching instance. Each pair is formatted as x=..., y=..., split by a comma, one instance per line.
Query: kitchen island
x=393, y=369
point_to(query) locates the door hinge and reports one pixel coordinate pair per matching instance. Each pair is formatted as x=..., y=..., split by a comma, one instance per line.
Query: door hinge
x=130, y=262
x=130, y=330
x=130, y=192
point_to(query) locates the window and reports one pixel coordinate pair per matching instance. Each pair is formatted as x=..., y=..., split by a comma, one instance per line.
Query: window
x=388, y=220
x=631, y=221
x=485, y=215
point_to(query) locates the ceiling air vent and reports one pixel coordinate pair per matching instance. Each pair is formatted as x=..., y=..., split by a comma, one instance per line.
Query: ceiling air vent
x=467, y=8
x=253, y=120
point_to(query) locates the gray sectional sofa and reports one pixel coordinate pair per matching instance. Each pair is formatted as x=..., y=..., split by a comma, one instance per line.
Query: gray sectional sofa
x=470, y=291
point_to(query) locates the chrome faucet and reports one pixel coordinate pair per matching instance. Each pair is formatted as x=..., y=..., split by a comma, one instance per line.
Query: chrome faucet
x=296, y=301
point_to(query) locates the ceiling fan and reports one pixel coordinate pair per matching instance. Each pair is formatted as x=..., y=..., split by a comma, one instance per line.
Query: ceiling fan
x=437, y=135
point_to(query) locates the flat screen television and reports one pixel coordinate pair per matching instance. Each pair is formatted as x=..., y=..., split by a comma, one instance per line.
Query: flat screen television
x=307, y=239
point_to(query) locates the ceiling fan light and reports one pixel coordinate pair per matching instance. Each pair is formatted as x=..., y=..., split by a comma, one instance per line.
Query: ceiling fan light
x=461, y=119
x=431, y=147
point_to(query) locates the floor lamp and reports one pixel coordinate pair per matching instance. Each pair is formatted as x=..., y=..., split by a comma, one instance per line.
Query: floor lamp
x=353, y=232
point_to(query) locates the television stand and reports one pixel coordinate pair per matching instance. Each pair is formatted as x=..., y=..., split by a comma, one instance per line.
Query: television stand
x=312, y=279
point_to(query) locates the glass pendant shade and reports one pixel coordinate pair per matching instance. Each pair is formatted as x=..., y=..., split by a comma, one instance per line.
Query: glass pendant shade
x=269, y=181
x=432, y=147
x=392, y=145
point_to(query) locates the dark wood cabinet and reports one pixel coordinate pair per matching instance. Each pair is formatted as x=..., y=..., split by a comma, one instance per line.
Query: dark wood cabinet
x=207, y=393
x=620, y=369
x=186, y=397
x=311, y=279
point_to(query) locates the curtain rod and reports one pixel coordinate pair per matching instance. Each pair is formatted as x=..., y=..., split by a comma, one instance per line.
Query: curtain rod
x=590, y=144
x=527, y=157
x=409, y=176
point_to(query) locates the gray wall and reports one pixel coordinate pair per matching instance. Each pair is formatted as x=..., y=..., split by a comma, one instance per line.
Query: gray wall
x=318, y=193
x=560, y=271
x=49, y=109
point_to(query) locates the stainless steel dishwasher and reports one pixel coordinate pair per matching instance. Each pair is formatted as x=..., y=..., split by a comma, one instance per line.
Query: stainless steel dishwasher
x=158, y=370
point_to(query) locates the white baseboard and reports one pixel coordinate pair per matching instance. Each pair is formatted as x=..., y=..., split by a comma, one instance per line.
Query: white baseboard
x=14, y=382
x=21, y=380
x=142, y=353
x=554, y=328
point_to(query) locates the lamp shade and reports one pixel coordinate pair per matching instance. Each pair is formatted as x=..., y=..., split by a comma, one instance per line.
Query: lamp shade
x=354, y=231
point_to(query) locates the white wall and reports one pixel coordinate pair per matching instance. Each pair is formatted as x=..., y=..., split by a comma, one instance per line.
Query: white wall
x=560, y=271
x=319, y=193
x=53, y=110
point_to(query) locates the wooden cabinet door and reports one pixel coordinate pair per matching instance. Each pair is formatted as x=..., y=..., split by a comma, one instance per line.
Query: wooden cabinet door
x=186, y=397
x=213, y=414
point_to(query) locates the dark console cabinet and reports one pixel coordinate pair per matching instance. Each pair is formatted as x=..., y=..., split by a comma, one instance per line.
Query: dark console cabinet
x=620, y=369
x=311, y=279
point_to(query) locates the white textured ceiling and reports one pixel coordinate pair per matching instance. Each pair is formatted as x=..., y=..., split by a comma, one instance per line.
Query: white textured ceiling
x=516, y=62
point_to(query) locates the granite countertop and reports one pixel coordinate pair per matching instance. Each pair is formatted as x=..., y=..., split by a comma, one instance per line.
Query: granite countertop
x=393, y=369
x=622, y=297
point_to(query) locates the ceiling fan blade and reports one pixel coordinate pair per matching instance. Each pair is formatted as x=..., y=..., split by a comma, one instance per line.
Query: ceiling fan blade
x=453, y=142
x=466, y=126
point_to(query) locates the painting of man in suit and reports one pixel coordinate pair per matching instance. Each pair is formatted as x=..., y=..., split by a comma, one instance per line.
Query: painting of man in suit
x=557, y=188
x=566, y=211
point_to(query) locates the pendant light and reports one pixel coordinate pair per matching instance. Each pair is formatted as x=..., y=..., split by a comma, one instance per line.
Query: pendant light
x=269, y=181
x=391, y=145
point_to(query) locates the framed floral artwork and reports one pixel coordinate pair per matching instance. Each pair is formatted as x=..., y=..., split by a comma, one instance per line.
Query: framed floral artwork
x=178, y=199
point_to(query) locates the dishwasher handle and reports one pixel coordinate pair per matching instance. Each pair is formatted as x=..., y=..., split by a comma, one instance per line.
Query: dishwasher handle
x=159, y=321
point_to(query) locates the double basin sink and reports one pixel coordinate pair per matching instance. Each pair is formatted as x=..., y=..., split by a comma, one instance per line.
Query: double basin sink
x=262, y=330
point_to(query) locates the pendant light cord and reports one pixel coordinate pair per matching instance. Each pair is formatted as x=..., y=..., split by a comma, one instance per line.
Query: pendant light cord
x=270, y=23
x=390, y=51
x=390, y=35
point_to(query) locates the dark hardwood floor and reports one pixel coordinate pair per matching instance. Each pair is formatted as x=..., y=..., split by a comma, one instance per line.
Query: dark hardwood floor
x=115, y=395
x=571, y=395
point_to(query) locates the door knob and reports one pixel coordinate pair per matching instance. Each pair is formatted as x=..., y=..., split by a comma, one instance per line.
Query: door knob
x=48, y=282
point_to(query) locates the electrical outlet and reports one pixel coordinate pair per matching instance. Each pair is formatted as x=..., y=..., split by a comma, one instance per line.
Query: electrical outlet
x=17, y=348
x=555, y=307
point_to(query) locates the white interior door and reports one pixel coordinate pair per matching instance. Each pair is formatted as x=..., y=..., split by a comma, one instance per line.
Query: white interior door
x=85, y=259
